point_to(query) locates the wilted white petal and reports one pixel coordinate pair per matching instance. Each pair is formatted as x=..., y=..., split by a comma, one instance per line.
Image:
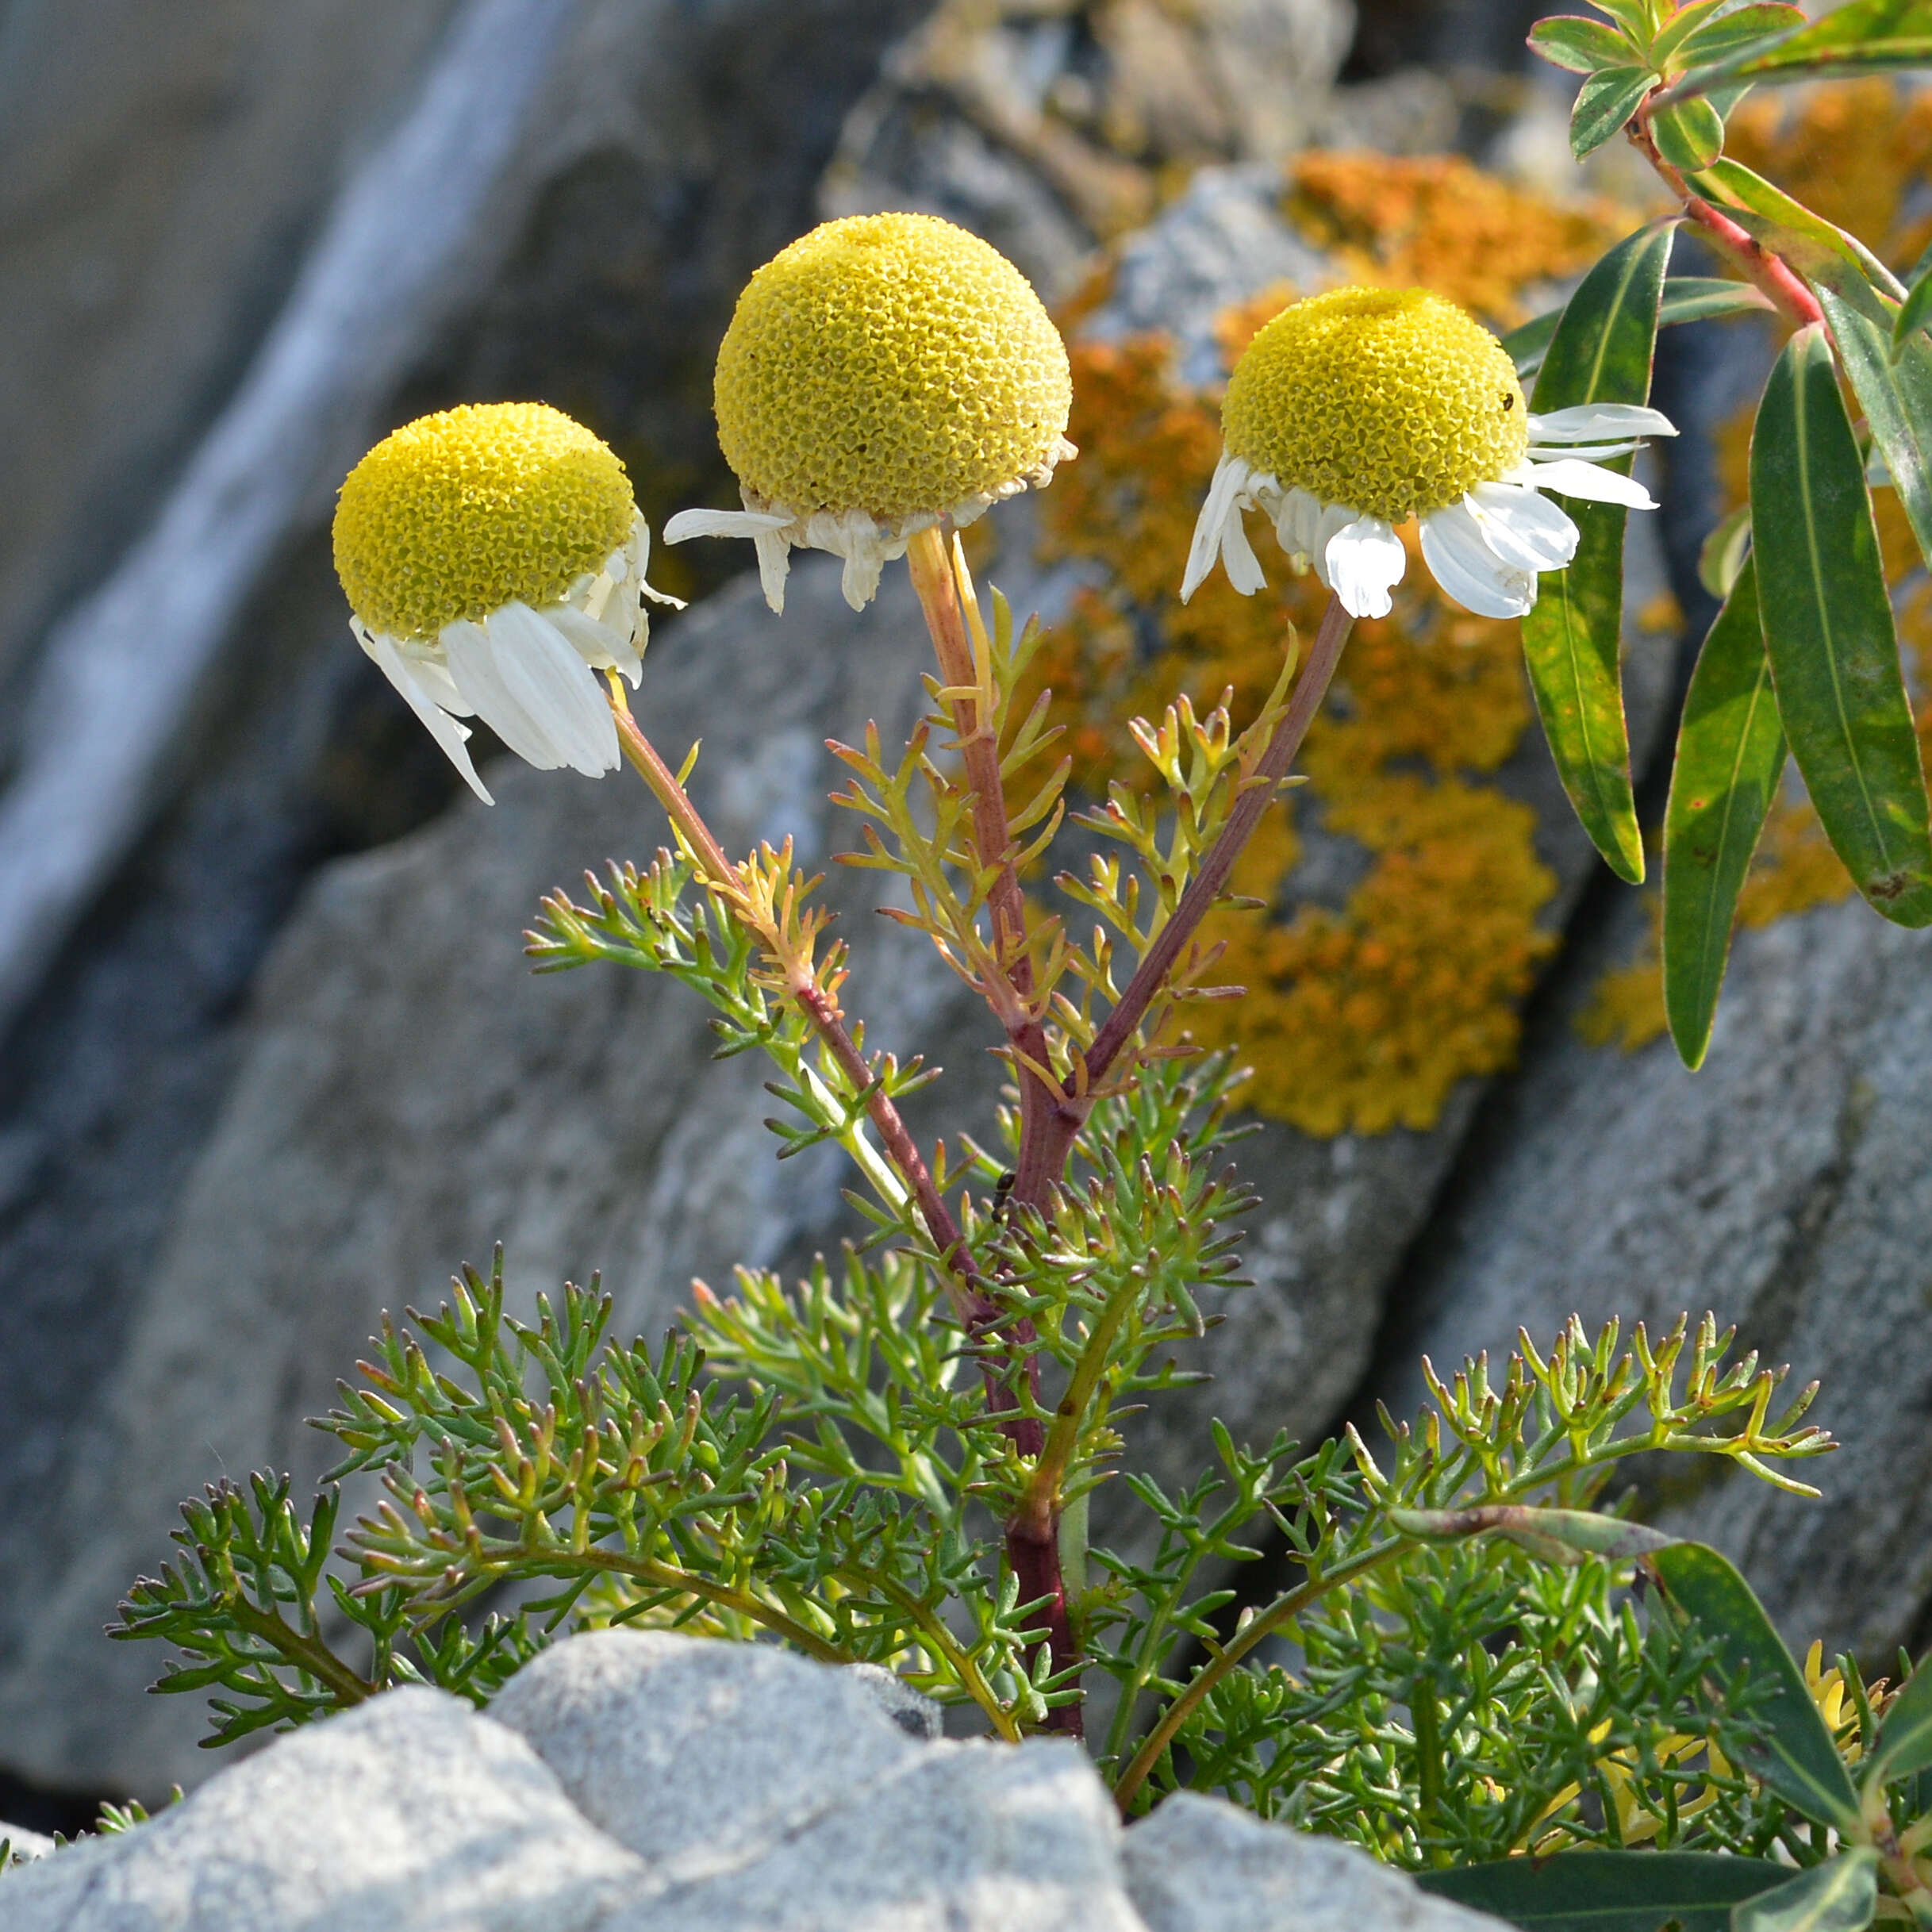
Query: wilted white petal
x=557, y=690
x=1523, y=527
x=425, y=665
x=1366, y=560
x=640, y=565
x=1210, y=528
x=1569, y=477
x=859, y=580
x=1297, y=524
x=688, y=524
x=601, y=645
x=473, y=665
x=451, y=736
x=1471, y=572
x=774, y=565
x=1585, y=420
x=1331, y=519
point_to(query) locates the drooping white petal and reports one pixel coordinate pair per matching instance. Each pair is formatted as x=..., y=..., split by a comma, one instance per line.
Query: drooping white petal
x=640, y=565
x=859, y=580
x=1365, y=560
x=1587, y=452
x=425, y=663
x=1462, y=562
x=555, y=687
x=1521, y=528
x=1585, y=420
x=1329, y=521
x=1210, y=527
x=1297, y=526
x=688, y=524
x=1244, y=568
x=382, y=653
x=774, y=565
x=1570, y=476
x=473, y=665
x=599, y=643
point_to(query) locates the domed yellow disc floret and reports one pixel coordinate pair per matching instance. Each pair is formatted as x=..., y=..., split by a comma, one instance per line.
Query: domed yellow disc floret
x=461, y=513
x=892, y=364
x=1390, y=401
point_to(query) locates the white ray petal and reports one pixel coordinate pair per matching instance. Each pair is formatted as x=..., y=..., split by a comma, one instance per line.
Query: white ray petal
x=1586, y=452
x=425, y=665
x=557, y=690
x=1297, y=524
x=774, y=565
x=445, y=730
x=1468, y=569
x=1329, y=521
x=1523, y=527
x=688, y=524
x=474, y=666
x=1569, y=477
x=1210, y=528
x=859, y=580
x=1366, y=561
x=600, y=644
x=1585, y=420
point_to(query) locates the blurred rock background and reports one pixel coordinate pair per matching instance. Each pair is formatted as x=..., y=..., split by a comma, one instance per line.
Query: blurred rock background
x=285, y=1066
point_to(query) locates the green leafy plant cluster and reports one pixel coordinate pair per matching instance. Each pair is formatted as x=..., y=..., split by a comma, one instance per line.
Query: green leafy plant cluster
x=1453, y=1645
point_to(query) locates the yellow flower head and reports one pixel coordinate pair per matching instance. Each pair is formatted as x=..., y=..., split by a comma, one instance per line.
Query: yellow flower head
x=892, y=364
x=1391, y=400
x=460, y=513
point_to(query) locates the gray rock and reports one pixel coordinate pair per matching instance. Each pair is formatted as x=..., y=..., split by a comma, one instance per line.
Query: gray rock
x=1200, y=1865
x=411, y=1812
x=24, y=1844
x=1784, y=1186
x=963, y=1837
x=917, y=1716
x=694, y=1754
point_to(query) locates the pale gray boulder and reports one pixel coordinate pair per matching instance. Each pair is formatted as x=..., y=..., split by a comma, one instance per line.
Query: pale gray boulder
x=411, y=1814
x=1202, y=1864
x=24, y=1844
x=962, y=1837
x=918, y=1716
x=696, y=1754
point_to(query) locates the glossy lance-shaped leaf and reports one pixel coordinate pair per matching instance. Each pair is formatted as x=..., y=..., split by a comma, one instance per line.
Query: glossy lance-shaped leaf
x=1609, y=1891
x=1730, y=755
x=1829, y=633
x=1805, y=239
x=1915, y=311
x=1792, y=1751
x=1605, y=102
x=1864, y=37
x=1687, y=298
x=1581, y=46
x=1892, y=381
x=1689, y=135
x=1687, y=42
x=1840, y=1896
x=1600, y=353
x=1904, y=1745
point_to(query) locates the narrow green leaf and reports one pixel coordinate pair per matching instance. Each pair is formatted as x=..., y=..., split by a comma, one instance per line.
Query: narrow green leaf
x=1864, y=37
x=1840, y=1896
x=1895, y=395
x=1687, y=298
x=1609, y=1891
x=1605, y=102
x=1582, y=46
x=1770, y=215
x=1731, y=755
x=1904, y=1745
x=1679, y=28
x=1689, y=135
x=1730, y=35
x=1601, y=352
x=1721, y=555
x=1828, y=631
x=1915, y=312
x=1794, y=1754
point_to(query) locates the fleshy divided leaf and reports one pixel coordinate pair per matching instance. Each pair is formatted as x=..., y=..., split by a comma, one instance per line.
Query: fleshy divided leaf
x=1730, y=757
x=1792, y=1751
x=1601, y=352
x=1829, y=634
x=1610, y=1891
x=1581, y=46
x=1838, y=1896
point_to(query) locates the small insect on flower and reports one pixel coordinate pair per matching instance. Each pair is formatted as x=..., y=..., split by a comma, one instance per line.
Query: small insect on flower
x=495, y=563
x=883, y=372
x=1353, y=411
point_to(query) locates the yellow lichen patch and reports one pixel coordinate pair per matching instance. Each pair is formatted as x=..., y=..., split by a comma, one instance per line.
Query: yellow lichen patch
x=459, y=514
x=891, y=364
x=1390, y=401
x=1436, y=220
x=1362, y=1017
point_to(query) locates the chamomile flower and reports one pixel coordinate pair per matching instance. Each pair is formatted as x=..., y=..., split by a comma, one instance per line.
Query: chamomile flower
x=883, y=372
x=495, y=563
x=1353, y=411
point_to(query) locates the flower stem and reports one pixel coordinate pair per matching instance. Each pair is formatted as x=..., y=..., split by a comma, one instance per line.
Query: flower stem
x=1769, y=272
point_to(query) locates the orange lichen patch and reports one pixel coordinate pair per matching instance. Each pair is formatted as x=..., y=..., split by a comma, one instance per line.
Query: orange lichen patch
x=1850, y=151
x=1439, y=222
x=1365, y=1017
